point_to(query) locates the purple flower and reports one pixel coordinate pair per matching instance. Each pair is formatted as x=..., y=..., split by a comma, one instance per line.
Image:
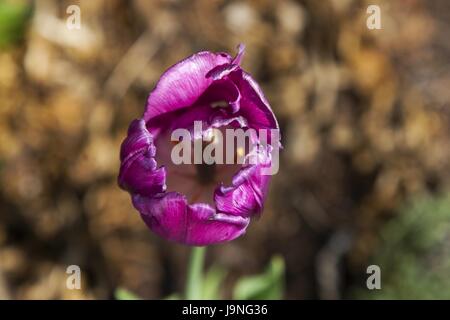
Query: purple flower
x=198, y=204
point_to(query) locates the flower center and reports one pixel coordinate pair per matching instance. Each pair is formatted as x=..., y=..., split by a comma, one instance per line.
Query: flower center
x=197, y=181
x=206, y=172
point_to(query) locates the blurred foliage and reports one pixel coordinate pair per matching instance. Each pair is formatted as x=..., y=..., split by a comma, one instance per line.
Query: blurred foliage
x=13, y=18
x=124, y=294
x=213, y=283
x=268, y=285
x=414, y=255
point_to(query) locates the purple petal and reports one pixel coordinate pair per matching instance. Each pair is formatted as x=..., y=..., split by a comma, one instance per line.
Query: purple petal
x=221, y=121
x=138, y=176
x=248, y=192
x=222, y=71
x=208, y=227
x=138, y=171
x=172, y=218
x=254, y=105
x=182, y=84
x=186, y=120
x=210, y=117
x=223, y=90
x=138, y=138
x=241, y=51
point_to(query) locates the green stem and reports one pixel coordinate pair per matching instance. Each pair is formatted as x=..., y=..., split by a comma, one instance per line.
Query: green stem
x=195, y=274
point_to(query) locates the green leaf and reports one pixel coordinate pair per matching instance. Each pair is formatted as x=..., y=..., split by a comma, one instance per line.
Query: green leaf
x=212, y=283
x=268, y=285
x=124, y=294
x=413, y=252
x=173, y=296
x=13, y=18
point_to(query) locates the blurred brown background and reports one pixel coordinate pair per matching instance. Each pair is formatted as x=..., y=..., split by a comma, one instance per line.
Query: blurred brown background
x=364, y=117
